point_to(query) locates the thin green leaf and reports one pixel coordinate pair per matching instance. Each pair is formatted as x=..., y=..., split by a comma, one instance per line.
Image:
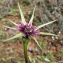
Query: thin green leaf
x=16, y=36
x=22, y=16
x=31, y=20
x=40, y=26
x=12, y=22
x=44, y=33
x=37, y=42
x=10, y=27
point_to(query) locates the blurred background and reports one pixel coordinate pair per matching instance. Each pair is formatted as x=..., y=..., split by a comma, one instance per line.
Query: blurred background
x=46, y=11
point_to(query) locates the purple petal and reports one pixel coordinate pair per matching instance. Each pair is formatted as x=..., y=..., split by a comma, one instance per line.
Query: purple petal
x=28, y=26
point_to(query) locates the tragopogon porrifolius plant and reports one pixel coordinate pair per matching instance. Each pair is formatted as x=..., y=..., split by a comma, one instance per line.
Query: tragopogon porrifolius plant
x=27, y=31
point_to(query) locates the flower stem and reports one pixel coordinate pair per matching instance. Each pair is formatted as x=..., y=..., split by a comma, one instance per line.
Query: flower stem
x=25, y=53
x=25, y=44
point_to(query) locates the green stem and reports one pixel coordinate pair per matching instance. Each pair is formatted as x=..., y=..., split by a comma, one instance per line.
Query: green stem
x=25, y=52
x=25, y=44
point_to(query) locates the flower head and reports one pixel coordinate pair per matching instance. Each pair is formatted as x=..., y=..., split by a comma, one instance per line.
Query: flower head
x=28, y=30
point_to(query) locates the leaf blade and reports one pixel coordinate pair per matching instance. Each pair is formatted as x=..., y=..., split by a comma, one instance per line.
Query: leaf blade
x=16, y=36
x=12, y=22
x=36, y=42
x=40, y=26
x=45, y=33
x=31, y=20
x=10, y=27
x=22, y=16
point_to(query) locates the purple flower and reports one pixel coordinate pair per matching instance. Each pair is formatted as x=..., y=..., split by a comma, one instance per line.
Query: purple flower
x=28, y=30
